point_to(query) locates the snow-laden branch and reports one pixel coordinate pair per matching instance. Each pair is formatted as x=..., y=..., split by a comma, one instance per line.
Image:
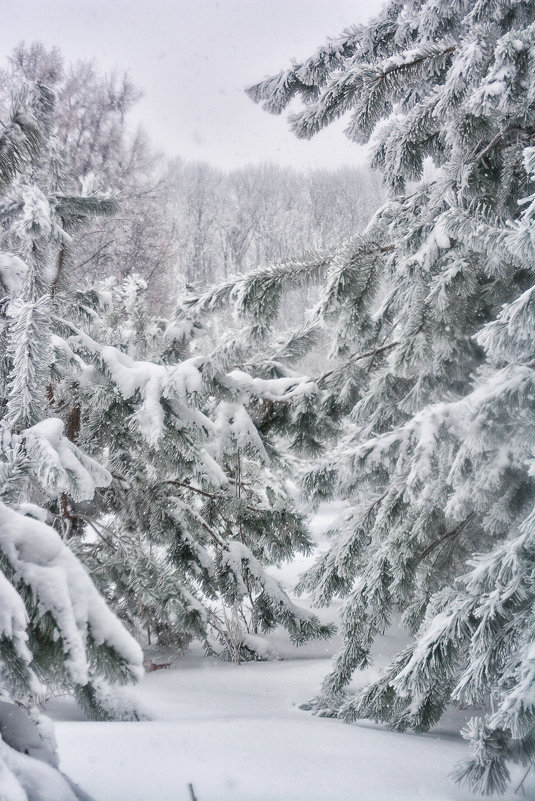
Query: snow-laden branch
x=61, y=586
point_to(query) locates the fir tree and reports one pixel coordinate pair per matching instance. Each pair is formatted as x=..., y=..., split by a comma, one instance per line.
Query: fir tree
x=431, y=311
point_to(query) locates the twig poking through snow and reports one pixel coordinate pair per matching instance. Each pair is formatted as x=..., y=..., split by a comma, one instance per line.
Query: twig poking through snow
x=193, y=797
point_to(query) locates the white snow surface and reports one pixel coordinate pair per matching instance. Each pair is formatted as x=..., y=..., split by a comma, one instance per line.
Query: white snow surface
x=236, y=733
x=22, y=777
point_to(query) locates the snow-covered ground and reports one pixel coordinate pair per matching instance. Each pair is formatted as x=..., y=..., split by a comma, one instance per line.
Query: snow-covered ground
x=236, y=733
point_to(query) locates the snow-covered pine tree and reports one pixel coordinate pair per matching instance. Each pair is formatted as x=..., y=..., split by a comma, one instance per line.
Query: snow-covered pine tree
x=431, y=310
x=56, y=631
x=195, y=511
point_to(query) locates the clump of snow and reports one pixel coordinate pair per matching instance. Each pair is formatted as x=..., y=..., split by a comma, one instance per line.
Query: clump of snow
x=32, y=510
x=178, y=330
x=437, y=240
x=12, y=272
x=275, y=389
x=260, y=646
x=13, y=619
x=120, y=702
x=24, y=778
x=59, y=464
x=35, y=219
x=19, y=731
x=235, y=428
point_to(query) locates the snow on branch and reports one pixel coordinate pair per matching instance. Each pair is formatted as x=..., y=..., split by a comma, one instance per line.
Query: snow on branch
x=12, y=272
x=366, y=42
x=236, y=559
x=411, y=448
x=258, y=293
x=59, y=465
x=512, y=334
x=61, y=586
x=278, y=390
x=478, y=232
x=371, y=87
x=277, y=91
x=155, y=383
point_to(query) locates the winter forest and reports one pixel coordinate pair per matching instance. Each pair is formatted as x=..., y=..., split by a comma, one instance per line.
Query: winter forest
x=266, y=431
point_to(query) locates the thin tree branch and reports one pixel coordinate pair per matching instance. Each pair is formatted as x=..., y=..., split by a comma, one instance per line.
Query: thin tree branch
x=193, y=489
x=450, y=534
x=500, y=135
x=95, y=254
x=357, y=357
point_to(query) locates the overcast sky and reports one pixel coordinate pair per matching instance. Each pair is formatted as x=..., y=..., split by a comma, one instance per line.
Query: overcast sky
x=192, y=59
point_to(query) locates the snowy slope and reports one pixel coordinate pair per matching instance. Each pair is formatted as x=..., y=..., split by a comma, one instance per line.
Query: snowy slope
x=236, y=733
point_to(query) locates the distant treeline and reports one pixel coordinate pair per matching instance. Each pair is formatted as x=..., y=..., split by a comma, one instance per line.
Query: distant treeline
x=180, y=221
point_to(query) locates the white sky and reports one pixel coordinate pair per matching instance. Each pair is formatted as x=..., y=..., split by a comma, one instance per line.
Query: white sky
x=192, y=59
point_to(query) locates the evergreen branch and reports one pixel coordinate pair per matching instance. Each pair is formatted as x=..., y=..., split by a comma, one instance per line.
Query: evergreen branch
x=356, y=259
x=202, y=522
x=297, y=344
x=358, y=357
x=20, y=142
x=357, y=41
x=99, y=533
x=79, y=207
x=480, y=231
x=257, y=295
x=215, y=536
x=206, y=494
x=374, y=84
x=278, y=90
x=251, y=291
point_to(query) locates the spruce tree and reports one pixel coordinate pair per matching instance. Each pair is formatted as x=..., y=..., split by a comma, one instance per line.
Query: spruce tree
x=431, y=316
